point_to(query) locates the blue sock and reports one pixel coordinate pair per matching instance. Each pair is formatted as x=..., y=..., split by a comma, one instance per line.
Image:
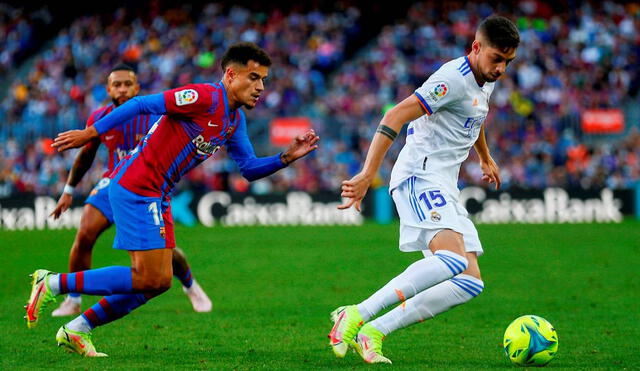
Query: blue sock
x=187, y=279
x=74, y=295
x=102, y=281
x=111, y=308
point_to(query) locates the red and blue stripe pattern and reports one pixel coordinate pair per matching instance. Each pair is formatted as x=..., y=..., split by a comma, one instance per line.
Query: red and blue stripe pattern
x=71, y=282
x=113, y=307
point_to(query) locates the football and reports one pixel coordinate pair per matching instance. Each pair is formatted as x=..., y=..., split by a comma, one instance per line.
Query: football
x=530, y=341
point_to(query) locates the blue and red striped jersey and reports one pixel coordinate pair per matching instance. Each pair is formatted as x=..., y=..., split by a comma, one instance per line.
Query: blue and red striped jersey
x=123, y=138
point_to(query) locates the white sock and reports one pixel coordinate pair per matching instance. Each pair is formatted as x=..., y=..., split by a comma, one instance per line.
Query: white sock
x=54, y=284
x=79, y=324
x=75, y=299
x=430, y=302
x=418, y=277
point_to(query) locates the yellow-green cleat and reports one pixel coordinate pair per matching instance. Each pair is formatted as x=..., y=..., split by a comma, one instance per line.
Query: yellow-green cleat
x=77, y=342
x=346, y=323
x=369, y=345
x=40, y=296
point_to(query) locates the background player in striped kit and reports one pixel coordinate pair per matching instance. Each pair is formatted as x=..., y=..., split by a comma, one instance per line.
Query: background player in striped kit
x=446, y=116
x=122, y=85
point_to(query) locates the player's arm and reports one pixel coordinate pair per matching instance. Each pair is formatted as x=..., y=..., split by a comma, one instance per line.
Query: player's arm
x=149, y=104
x=81, y=165
x=355, y=188
x=253, y=168
x=490, y=171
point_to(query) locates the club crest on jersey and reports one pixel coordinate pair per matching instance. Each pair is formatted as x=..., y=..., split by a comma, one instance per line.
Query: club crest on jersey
x=103, y=183
x=187, y=96
x=204, y=147
x=439, y=91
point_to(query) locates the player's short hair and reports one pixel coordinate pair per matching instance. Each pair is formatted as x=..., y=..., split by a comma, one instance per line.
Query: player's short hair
x=500, y=32
x=122, y=67
x=243, y=52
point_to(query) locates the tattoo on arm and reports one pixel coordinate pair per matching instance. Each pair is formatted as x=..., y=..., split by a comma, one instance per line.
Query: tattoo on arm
x=81, y=165
x=387, y=131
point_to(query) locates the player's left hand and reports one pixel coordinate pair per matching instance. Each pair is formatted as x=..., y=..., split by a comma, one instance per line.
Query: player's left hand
x=491, y=172
x=354, y=190
x=301, y=146
x=74, y=138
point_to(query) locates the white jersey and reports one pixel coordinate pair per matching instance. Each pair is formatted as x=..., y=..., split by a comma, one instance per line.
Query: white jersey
x=438, y=142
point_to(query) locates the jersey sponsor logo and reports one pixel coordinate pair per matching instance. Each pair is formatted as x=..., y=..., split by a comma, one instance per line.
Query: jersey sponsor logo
x=435, y=216
x=204, y=147
x=187, y=96
x=473, y=125
x=121, y=153
x=439, y=91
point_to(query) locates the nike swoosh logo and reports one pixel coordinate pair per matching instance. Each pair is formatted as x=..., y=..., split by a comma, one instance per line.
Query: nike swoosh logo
x=108, y=137
x=210, y=124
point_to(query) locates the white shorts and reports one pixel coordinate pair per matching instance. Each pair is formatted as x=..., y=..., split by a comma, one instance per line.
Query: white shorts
x=425, y=210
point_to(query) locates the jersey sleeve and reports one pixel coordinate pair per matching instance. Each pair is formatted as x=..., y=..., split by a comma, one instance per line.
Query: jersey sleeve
x=439, y=91
x=188, y=100
x=240, y=149
x=90, y=121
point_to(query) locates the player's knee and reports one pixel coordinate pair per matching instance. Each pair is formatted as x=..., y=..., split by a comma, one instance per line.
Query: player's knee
x=456, y=263
x=157, y=284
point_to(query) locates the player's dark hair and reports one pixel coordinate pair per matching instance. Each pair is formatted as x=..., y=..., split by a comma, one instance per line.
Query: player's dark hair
x=242, y=53
x=500, y=32
x=122, y=67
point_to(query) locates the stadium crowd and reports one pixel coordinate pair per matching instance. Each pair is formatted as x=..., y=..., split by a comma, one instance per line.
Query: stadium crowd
x=569, y=60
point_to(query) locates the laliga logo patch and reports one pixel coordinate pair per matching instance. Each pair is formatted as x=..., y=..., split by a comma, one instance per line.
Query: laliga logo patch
x=435, y=217
x=163, y=232
x=439, y=91
x=184, y=97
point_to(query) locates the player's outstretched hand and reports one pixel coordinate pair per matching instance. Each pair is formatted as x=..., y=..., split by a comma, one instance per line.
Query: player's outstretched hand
x=301, y=146
x=354, y=190
x=74, y=138
x=63, y=205
x=491, y=172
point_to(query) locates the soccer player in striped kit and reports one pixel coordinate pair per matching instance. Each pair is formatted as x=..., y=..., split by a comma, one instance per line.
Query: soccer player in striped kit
x=198, y=119
x=446, y=118
x=122, y=85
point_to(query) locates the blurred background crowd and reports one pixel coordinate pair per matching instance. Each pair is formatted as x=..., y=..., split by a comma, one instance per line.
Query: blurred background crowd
x=336, y=67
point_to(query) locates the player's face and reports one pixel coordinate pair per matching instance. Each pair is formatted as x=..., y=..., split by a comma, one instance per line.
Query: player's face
x=493, y=62
x=122, y=86
x=246, y=83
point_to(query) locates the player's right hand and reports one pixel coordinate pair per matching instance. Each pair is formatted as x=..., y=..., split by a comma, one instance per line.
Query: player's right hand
x=63, y=205
x=354, y=190
x=74, y=138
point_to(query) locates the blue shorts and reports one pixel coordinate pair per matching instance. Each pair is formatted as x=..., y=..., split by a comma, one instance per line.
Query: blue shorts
x=99, y=198
x=139, y=220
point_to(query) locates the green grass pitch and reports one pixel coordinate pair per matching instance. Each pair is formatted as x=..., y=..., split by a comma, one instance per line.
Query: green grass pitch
x=273, y=289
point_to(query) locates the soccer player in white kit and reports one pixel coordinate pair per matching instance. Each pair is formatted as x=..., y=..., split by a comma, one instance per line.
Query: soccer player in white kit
x=446, y=116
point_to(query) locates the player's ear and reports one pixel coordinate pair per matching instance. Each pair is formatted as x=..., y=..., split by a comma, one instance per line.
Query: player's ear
x=231, y=73
x=476, y=46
